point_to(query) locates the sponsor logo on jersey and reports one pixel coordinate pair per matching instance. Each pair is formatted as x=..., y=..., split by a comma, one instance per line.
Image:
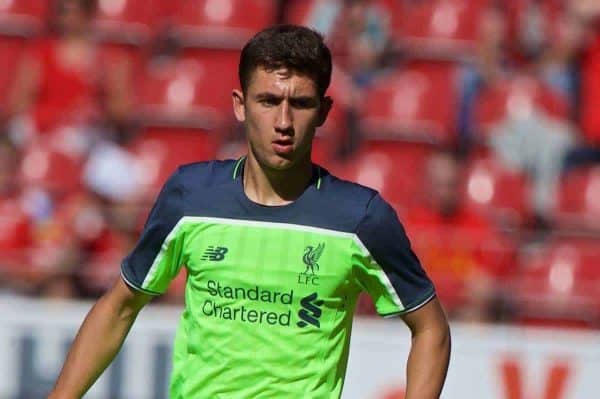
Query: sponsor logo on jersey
x=310, y=311
x=251, y=304
x=214, y=254
x=311, y=261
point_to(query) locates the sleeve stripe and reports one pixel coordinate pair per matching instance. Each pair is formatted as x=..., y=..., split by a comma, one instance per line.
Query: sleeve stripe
x=160, y=255
x=135, y=287
x=381, y=275
x=411, y=309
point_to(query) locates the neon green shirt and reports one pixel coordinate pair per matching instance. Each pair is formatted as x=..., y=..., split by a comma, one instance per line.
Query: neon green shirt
x=271, y=291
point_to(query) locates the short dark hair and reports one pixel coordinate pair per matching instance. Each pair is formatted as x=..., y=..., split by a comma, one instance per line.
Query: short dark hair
x=297, y=48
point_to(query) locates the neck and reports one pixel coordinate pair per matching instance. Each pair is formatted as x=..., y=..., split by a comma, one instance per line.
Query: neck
x=275, y=187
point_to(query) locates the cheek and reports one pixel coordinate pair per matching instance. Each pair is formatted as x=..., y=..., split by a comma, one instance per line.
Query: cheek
x=306, y=125
x=258, y=124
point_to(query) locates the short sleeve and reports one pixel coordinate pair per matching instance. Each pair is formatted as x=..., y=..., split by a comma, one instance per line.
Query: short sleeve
x=387, y=268
x=157, y=256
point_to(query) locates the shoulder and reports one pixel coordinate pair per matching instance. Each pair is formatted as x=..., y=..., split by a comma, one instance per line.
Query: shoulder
x=370, y=212
x=203, y=175
x=346, y=199
x=341, y=188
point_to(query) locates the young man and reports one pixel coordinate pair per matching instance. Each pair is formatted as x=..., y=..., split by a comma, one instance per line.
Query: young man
x=276, y=252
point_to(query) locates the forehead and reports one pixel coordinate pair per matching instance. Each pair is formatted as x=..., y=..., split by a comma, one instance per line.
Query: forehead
x=281, y=81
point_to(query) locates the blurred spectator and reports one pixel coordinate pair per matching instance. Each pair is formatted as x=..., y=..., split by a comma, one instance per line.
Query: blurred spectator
x=536, y=144
x=491, y=63
x=527, y=138
x=34, y=254
x=460, y=250
x=104, y=230
x=585, y=15
x=358, y=33
x=16, y=234
x=555, y=61
x=67, y=79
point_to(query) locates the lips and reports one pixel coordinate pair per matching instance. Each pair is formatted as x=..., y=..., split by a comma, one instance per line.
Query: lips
x=282, y=146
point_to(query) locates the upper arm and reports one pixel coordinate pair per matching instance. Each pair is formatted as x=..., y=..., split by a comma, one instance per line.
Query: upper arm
x=124, y=297
x=427, y=317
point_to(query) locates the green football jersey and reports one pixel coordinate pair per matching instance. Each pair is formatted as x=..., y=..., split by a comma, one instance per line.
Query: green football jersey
x=271, y=291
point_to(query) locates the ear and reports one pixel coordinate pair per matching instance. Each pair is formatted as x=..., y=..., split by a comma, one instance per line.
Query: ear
x=325, y=107
x=239, y=107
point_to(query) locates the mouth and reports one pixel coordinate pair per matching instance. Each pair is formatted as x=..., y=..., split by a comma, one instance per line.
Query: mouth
x=282, y=146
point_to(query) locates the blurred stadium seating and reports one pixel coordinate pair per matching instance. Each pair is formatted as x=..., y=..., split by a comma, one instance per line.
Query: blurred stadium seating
x=414, y=103
x=10, y=53
x=380, y=134
x=554, y=279
x=221, y=23
x=438, y=29
x=23, y=17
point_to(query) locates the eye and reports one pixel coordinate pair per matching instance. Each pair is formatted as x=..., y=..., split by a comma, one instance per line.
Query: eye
x=269, y=101
x=303, y=103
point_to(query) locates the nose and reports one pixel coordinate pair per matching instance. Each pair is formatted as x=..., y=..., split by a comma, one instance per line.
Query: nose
x=285, y=119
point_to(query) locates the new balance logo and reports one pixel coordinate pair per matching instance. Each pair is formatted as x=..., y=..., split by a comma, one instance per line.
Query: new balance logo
x=311, y=311
x=214, y=254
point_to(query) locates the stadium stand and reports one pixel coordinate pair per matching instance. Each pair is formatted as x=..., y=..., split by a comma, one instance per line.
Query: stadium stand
x=498, y=191
x=514, y=97
x=10, y=53
x=438, y=29
x=382, y=132
x=415, y=103
x=23, y=17
x=579, y=208
x=221, y=23
x=127, y=21
x=555, y=278
x=183, y=91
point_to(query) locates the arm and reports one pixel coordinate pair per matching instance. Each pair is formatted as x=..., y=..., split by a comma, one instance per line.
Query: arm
x=430, y=351
x=98, y=340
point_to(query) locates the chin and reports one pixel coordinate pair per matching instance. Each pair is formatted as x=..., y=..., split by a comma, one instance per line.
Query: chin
x=277, y=162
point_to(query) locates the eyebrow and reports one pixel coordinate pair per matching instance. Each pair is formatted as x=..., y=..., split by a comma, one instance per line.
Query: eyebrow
x=269, y=95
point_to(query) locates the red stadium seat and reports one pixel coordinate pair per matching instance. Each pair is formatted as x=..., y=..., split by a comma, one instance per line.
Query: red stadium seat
x=438, y=29
x=549, y=12
x=579, y=205
x=558, y=283
x=51, y=169
x=497, y=190
x=159, y=151
x=299, y=12
x=394, y=168
x=514, y=97
x=127, y=21
x=222, y=23
x=11, y=50
x=192, y=91
x=23, y=17
x=334, y=133
x=417, y=103
x=456, y=256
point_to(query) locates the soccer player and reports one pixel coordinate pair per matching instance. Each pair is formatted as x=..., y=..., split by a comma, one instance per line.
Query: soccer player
x=276, y=251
